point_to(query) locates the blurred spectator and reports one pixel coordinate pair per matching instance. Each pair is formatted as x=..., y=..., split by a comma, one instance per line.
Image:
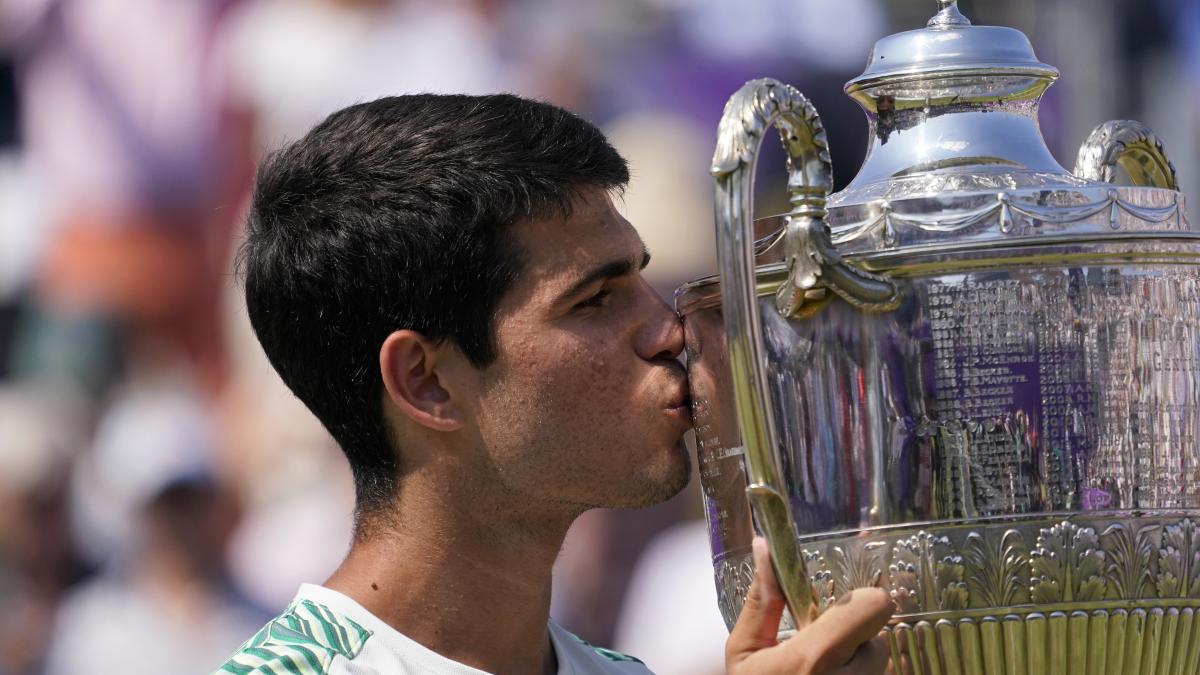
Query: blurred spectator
x=821, y=34
x=294, y=482
x=147, y=494
x=668, y=198
x=126, y=126
x=155, y=431
x=295, y=61
x=40, y=428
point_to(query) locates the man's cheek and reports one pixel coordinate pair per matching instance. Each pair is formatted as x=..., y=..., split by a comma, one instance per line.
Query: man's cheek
x=600, y=368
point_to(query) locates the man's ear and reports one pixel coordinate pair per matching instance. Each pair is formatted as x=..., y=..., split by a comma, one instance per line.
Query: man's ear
x=414, y=378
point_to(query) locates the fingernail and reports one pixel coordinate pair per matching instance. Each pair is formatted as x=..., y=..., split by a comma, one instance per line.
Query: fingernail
x=761, y=553
x=761, y=557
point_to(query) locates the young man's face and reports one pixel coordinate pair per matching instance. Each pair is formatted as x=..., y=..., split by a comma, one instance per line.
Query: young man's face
x=585, y=404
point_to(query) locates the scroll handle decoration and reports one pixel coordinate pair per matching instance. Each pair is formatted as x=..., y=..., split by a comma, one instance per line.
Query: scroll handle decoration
x=1133, y=147
x=814, y=267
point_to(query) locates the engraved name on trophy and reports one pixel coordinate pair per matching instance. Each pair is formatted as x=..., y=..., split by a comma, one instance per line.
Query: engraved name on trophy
x=971, y=378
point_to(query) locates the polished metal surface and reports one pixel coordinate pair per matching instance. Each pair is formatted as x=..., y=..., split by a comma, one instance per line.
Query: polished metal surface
x=1130, y=145
x=971, y=378
x=950, y=44
x=748, y=115
x=948, y=15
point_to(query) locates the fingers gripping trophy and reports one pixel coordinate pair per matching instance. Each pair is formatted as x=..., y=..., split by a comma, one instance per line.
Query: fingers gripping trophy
x=971, y=378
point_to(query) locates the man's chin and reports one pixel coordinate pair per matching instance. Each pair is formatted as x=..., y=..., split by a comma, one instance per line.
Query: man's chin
x=656, y=489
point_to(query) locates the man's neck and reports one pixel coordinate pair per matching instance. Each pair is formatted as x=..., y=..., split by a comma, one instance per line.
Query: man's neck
x=455, y=575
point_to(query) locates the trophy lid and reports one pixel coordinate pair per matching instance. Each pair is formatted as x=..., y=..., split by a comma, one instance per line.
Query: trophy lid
x=956, y=155
x=950, y=45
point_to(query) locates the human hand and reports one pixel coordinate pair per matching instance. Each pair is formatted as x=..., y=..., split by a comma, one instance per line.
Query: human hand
x=844, y=640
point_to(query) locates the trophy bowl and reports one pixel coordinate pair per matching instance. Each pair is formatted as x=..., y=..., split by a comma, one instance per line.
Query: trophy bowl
x=971, y=378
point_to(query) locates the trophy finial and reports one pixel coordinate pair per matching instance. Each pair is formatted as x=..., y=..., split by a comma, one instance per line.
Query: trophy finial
x=948, y=16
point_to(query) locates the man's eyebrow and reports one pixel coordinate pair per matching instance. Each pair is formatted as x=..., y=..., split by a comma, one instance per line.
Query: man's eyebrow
x=608, y=270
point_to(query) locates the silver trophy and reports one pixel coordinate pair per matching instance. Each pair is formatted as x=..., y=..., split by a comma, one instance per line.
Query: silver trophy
x=971, y=378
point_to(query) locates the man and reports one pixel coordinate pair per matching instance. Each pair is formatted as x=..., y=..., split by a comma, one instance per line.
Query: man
x=445, y=283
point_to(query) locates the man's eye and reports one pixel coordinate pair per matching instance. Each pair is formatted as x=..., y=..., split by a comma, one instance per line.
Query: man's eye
x=597, y=300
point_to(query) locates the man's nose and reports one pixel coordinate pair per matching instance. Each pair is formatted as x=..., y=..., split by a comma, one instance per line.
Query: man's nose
x=662, y=331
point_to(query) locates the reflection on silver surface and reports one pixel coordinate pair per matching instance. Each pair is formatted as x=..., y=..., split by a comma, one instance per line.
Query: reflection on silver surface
x=994, y=393
x=997, y=393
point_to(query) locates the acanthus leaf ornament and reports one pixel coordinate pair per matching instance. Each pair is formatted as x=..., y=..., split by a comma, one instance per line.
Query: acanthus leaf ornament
x=998, y=571
x=1179, y=560
x=1067, y=565
x=733, y=576
x=857, y=565
x=821, y=578
x=926, y=575
x=1129, y=554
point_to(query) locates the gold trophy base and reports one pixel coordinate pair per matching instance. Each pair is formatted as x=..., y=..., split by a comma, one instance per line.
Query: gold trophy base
x=1143, y=638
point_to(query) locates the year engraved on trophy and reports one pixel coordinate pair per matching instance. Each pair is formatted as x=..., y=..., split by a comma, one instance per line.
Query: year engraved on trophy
x=984, y=373
x=1018, y=391
x=1066, y=386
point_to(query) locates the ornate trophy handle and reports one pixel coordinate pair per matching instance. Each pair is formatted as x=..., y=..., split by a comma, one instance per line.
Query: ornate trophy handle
x=1130, y=145
x=749, y=112
x=813, y=266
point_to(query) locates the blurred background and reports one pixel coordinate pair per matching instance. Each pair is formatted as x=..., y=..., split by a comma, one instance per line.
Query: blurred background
x=161, y=492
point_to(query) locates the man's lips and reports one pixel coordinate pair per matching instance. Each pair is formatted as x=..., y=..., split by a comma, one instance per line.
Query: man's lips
x=679, y=401
x=681, y=404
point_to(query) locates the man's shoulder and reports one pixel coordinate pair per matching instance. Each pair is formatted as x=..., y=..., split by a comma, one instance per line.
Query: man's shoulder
x=305, y=640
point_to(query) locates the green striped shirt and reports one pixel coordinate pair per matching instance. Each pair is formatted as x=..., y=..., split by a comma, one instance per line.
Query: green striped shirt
x=326, y=633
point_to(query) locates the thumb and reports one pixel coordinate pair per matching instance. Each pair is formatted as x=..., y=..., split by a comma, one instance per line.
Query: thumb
x=758, y=624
